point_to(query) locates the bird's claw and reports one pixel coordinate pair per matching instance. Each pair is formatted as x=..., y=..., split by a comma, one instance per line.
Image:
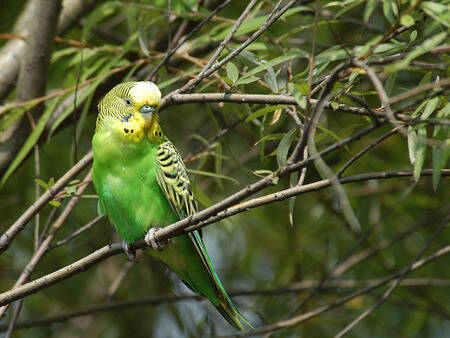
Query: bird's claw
x=151, y=240
x=131, y=253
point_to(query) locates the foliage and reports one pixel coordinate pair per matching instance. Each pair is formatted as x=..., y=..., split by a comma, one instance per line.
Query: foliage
x=228, y=146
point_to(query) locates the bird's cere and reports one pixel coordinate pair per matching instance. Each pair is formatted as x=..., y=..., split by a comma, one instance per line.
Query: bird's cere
x=146, y=110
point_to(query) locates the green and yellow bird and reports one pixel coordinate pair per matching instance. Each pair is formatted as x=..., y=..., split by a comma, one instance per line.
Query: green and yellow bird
x=142, y=184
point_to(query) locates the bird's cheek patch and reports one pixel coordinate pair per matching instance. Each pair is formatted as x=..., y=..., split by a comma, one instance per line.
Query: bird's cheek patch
x=131, y=127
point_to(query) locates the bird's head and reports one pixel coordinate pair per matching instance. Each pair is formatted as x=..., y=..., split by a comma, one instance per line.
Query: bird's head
x=131, y=109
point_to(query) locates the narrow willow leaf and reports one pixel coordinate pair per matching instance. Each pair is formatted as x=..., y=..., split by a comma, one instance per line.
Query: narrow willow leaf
x=232, y=72
x=421, y=149
x=247, y=80
x=425, y=47
x=271, y=80
x=283, y=147
x=210, y=174
x=298, y=96
x=42, y=183
x=270, y=137
x=263, y=111
x=438, y=12
x=31, y=141
x=143, y=37
x=430, y=107
x=440, y=158
x=114, y=62
x=370, y=6
x=293, y=182
x=390, y=82
x=412, y=143
x=271, y=63
x=441, y=155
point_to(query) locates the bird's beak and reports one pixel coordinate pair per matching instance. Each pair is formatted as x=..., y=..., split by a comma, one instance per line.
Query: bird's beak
x=147, y=111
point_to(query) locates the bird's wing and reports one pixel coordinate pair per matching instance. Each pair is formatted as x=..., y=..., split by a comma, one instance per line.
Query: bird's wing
x=174, y=181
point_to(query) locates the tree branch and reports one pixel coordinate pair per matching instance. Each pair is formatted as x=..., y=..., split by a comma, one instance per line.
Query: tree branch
x=155, y=300
x=325, y=308
x=202, y=218
x=19, y=225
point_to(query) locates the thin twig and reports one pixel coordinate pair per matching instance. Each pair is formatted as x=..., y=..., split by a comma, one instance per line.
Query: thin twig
x=224, y=42
x=396, y=282
x=151, y=301
x=271, y=18
x=76, y=233
x=201, y=218
x=38, y=254
x=8, y=236
x=186, y=38
x=325, y=308
x=365, y=150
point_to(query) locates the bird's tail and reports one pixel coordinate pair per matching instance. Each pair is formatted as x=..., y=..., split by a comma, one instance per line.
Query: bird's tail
x=228, y=310
x=222, y=301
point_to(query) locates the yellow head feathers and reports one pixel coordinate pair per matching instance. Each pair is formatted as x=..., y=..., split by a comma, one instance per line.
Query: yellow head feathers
x=132, y=108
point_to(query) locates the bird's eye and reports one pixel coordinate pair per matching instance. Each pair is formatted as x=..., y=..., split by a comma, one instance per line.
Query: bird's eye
x=128, y=102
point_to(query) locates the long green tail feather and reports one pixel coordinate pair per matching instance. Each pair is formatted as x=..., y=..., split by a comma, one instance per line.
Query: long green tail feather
x=225, y=306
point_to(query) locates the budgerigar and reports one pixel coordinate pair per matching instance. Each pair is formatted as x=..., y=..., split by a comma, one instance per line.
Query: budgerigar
x=142, y=184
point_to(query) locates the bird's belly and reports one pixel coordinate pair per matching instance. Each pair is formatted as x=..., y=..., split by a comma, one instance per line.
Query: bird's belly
x=134, y=203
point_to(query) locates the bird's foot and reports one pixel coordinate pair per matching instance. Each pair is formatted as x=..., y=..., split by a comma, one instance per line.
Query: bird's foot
x=151, y=240
x=131, y=253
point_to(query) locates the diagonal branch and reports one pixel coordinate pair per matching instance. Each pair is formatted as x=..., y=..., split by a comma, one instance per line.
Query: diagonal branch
x=201, y=218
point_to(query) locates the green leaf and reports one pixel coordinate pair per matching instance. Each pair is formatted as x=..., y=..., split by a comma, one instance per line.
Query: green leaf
x=412, y=144
x=270, y=137
x=437, y=11
x=334, y=105
x=292, y=183
x=267, y=64
x=31, y=141
x=243, y=81
x=263, y=111
x=440, y=158
x=413, y=36
x=271, y=80
x=55, y=203
x=298, y=96
x=232, y=72
x=390, y=82
x=210, y=174
x=283, y=147
x=370, y=6
x=407, y=20
x=430, y=107
x=441, y=155
x=425, y=47
x=421, y=149
x=103, y=73
x=42, y=183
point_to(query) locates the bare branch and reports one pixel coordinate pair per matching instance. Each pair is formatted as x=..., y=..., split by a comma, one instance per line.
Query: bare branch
x=8, y=236
x=151, y=301
x=325, y=308
x=396, y=282
x=40, y=252
x=180, y=43
x=201, y=218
